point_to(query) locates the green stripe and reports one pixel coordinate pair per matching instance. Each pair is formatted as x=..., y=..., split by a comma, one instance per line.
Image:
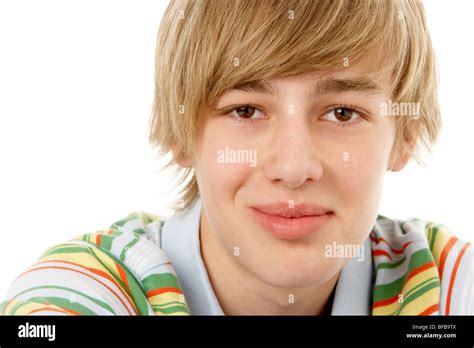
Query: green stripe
x=139, y=297
x=128, y=246
x=172, y=309
x=106, y=241
x=2, y=306
x=415, y=288
x=168, y=303
x=64, y=303
x=391, y=265
x=154, y=281
x=392, y=289
x=431, y=285
x=434, y=232
x=16, y=306
x=118, y=224
x=136, y=291
x=57, y=301
x=139, y=231
x=98, y=302
x=66, y=248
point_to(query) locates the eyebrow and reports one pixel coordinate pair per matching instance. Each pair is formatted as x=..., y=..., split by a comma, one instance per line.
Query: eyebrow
x=321, y=87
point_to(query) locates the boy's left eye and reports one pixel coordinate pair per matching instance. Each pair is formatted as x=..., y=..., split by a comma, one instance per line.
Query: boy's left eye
x=341, y=114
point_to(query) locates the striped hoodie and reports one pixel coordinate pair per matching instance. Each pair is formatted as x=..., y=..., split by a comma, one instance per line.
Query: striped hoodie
x=414, y=267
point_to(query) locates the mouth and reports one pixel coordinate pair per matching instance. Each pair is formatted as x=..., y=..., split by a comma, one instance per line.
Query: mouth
x=291, y=222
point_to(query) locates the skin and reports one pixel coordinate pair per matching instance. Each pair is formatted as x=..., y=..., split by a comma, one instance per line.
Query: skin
x=302, y=156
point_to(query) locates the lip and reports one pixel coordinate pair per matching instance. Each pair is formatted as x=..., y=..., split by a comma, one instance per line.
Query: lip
x=292, y=223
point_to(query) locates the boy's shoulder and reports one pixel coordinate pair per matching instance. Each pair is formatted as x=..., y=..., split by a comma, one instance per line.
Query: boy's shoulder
x=137, y=226
x=118, y=270
x=439, y=238
x=423, y=256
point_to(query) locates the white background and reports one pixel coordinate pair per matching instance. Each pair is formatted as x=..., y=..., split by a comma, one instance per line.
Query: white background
x=76, y=87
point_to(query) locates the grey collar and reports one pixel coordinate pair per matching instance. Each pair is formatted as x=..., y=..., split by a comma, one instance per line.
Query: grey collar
x=181, y=243
x=353, y=294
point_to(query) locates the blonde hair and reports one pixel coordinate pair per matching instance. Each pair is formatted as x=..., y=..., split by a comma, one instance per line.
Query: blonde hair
x=200, y=41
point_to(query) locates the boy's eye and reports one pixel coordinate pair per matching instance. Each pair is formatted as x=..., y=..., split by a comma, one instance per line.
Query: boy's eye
x=246, y=113
x=342, y=114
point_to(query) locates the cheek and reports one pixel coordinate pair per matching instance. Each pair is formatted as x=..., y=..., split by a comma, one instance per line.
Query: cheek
x=358, y=173
x=219, y=168
x=361, y=170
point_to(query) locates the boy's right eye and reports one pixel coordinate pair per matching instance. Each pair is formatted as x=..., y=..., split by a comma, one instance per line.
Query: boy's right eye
x=246, y=113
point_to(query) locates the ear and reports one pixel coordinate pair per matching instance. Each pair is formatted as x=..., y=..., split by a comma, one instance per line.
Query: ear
x=400, y=163
x=183, y=161
x=401, y=160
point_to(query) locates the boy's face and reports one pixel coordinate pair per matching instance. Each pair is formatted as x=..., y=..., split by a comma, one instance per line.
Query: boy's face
x=294, y=148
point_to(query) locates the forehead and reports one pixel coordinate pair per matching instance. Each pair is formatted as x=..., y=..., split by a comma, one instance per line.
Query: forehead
x=320, y=83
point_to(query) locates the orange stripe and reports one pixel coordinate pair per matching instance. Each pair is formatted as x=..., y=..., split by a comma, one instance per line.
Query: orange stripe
x=386, y=302
x=453, y=276
x=444, y=254
x=5, y=308
x=430, y=310
x=98, y=272
x=62, y=310
x=162, y=290
x=123, y=275
x=98, y=238
x=396, y=251
x=380, y=252
x=419, y=270
x=87, y=275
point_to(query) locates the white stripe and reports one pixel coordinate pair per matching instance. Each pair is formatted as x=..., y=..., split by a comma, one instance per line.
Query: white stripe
x=461, y=299
x=132, y=225
x=119, y=243
x=447, y=271
x=48, y=312
x=159, y=269
x=144, y=256
x=64, y=278
x=69, y=278
x=153, y=232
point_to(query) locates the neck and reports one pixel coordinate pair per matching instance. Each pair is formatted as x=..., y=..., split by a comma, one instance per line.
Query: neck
x=241, y=293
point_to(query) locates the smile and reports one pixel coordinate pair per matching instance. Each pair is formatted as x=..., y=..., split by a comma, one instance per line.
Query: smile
x=291, y=223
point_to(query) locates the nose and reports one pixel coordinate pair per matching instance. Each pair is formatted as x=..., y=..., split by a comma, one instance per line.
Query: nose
x=292, y=159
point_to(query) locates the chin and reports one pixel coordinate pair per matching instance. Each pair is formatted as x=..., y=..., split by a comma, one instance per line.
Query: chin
x=290, y=274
